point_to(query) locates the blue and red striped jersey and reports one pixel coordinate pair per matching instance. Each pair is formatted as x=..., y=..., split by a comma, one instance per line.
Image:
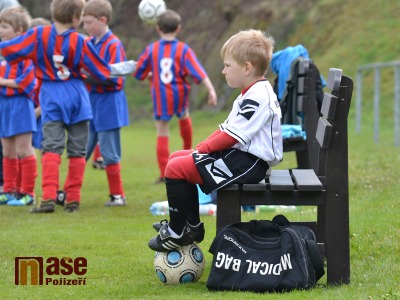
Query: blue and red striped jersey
x=56, y=57
x=170, y=62
x=111, y=50
x=24, y=75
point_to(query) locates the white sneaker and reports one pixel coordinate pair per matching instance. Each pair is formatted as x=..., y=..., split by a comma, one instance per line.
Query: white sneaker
x=116, y=200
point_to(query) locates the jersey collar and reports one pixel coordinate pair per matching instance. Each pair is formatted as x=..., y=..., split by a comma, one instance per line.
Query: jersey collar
x=246, y=89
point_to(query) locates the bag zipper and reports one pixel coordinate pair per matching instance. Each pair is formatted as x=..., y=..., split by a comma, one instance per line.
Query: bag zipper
x=301, y=248
x=258, y=241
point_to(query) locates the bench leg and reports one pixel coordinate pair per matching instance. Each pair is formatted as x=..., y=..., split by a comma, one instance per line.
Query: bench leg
x=337, y=242
x=228, y=203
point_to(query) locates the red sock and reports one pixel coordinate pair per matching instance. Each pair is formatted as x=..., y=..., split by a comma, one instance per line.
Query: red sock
x=28, y=173
x=162, y=153
x=19, y=177
x=185, y=126
x=10, y=173
x=96, y=153
x=113, y=172
x=50, y=168
x=76, y=172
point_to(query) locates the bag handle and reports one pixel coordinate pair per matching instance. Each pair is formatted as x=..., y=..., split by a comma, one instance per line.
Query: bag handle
x=259, y=226
x=316, y=259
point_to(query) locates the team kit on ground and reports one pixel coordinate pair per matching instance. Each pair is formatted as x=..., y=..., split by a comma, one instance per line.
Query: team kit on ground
x=81, y=84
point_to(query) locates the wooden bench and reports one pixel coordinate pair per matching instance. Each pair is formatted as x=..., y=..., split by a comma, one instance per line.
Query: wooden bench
x=325, y=186
x=306, y=105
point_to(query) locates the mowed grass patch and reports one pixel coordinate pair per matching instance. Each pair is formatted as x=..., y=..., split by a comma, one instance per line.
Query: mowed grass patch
x=114, y=240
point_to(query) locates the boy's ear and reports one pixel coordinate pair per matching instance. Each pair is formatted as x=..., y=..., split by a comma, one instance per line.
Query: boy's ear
x=248, y=67
x=178, y=29
x=19, y=31
x=104, y=20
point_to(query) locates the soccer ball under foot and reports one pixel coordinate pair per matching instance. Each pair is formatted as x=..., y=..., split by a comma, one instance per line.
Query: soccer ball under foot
x=182, y=265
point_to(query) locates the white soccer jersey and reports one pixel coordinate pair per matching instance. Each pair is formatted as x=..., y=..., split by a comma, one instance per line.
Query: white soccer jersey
x=255, y=121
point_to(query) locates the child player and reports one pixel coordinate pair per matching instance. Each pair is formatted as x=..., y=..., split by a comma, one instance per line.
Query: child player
x=109, y=105
x=17, y=90
x=242, y=150
x=37, y=136
x=59, y=53
x=169, y=62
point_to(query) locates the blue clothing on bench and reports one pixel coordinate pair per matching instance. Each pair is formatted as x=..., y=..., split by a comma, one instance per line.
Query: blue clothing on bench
x=280, y=65
x=289, y=131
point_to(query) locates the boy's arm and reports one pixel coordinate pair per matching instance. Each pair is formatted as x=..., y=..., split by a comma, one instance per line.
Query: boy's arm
x=216, y=142
x=11, y=83
x=212, y=95
x=123, y=68
x=89, y=79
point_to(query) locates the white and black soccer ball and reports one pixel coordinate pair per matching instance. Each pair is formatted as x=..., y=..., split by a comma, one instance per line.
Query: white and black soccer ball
x=182, y=265
x=149, y=10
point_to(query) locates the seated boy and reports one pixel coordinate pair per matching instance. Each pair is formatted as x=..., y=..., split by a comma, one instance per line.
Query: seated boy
x=242, y=150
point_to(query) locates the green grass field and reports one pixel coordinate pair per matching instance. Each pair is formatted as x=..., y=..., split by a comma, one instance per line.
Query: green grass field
x=114, y=240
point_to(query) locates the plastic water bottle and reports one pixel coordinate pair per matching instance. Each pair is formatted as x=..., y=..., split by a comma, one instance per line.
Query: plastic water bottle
x=159, y=208
x=208, y=209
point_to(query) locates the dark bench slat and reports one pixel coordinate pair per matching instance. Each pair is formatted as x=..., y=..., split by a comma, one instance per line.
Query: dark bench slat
x=306, y=180
x=280, y=180
x=268, y=197
x=334, y=78
x=328, y=108
x=254, y=187
x=324, y=131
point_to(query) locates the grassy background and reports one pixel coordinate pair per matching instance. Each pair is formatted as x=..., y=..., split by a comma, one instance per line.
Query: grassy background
x=114, y=240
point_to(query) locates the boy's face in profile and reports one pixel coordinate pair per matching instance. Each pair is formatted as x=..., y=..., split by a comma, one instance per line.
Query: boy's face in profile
x=7, y=32
x=233, y=72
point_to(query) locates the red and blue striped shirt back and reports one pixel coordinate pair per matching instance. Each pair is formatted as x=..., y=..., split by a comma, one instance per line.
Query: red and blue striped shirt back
x=56, y=57
x=170, y=62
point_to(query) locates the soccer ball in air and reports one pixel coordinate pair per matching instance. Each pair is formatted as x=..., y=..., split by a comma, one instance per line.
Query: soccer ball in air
x=149, y=10
x=182, y=265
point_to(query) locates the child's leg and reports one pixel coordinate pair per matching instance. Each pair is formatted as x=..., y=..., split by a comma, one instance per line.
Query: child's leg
x=10, y=164
x=53, y=147
x=1, y=168
x=181, y=177
x=162, y=145
x=28, y=164
x=92, y=146
x=110, y=145
x=185, y=127
x=78, y=135
x=97, y=154
x=19, y=177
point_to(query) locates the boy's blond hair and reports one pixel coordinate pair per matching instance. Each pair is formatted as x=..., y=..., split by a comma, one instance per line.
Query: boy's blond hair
x=63, y=11
x=16, y=17
x=98, y=9
x=250, y=46
x=169, y=21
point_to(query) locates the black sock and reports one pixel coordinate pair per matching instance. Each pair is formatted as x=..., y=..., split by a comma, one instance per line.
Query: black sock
x=178, y=193
x=193, y=217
